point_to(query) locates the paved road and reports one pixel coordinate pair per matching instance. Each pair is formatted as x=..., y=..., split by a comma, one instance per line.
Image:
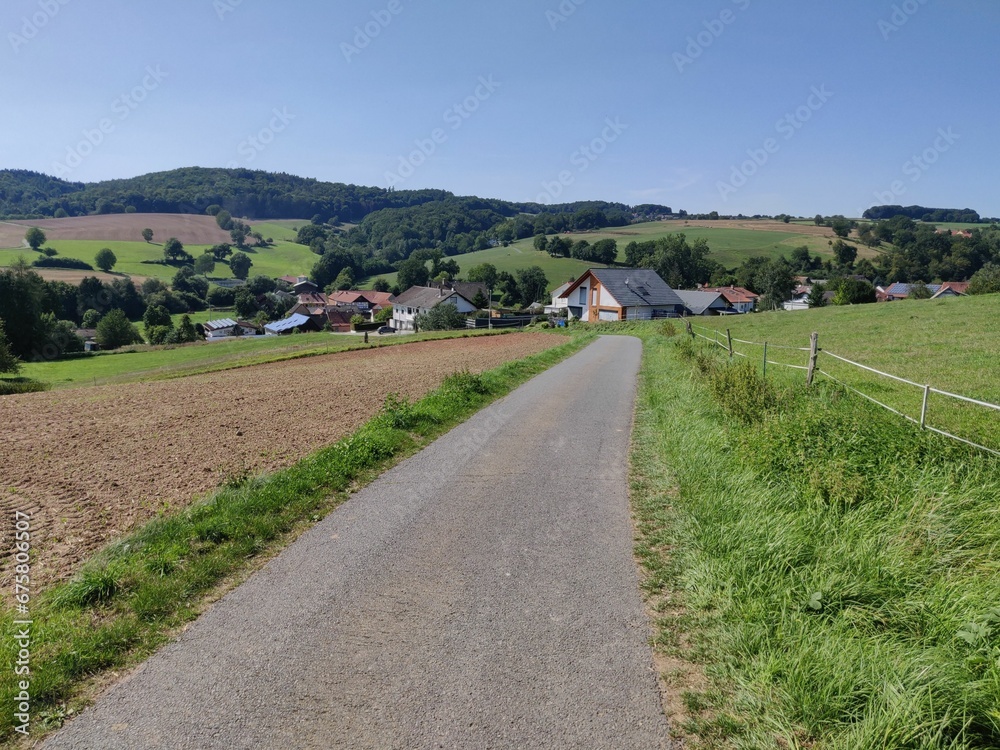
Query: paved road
x=482, y=594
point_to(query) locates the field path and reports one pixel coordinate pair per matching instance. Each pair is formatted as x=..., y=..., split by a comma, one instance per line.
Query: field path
x=482, y=594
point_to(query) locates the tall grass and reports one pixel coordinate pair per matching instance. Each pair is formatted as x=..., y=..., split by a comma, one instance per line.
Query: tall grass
x=129, y=599
x=832, y=568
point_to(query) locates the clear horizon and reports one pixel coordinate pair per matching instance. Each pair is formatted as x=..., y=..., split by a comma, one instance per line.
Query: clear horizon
x=731, y=106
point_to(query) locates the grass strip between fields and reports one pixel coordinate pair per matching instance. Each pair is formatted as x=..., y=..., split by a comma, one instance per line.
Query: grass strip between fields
x=144, y=363
x=822, y=574
x=136, y=594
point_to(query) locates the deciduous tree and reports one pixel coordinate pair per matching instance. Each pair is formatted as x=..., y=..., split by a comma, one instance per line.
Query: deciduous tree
x=8, y=362
x=115, y=331
x=444, y=317
x=105, y=259
x=204, y=264
x=240, y=265
x=35, y=238
x=986, y=280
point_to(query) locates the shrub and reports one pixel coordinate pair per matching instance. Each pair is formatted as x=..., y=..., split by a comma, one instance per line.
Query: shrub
x=16, y=386
x=465, y=384
x=62, y=263
x=742, y=391
x=397, y=412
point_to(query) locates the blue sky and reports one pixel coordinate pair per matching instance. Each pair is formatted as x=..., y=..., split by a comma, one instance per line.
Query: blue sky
x=739, y=106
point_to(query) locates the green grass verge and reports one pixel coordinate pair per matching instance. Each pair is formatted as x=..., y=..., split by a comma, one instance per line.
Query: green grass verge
x=831, y=568
x=160, y=363
x=133, y=596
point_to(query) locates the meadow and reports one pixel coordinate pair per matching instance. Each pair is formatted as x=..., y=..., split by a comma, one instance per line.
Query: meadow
x=948, y=344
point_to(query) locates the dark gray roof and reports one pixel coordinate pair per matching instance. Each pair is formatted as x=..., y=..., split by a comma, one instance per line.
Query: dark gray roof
x=637, y=287
x=423, y=297
x=698, y=302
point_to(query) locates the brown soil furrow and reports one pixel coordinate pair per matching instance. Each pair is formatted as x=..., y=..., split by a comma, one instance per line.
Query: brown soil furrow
x=92, y=464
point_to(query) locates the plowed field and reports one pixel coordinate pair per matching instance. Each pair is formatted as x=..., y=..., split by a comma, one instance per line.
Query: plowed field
x=90, y=465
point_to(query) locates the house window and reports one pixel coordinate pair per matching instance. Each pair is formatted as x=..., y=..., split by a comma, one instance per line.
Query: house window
x=582, y=299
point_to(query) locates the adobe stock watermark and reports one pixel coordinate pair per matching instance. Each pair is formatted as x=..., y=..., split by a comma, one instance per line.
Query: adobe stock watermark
x=787, y=127
x=455, y=117
x=562, y=13
x=582, y=159
x=253, y=145
x=365, y=34
x=122, y=107
x=224, y=7
x=714, y=28
x=918, y=165
x=32, y=25
x=901, y=15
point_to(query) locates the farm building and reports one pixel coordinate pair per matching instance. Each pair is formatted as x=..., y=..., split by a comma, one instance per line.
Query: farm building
x=226, y=327
x=418, y=300
x=621, y=294
x=295, y=322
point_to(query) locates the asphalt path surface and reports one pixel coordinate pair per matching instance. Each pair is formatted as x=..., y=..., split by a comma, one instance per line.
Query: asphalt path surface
x=481, y=594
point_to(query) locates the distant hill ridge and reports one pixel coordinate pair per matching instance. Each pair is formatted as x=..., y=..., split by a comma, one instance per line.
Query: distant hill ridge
x=245, y=192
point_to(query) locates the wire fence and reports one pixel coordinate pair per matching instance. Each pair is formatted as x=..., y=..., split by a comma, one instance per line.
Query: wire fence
x=953, y=413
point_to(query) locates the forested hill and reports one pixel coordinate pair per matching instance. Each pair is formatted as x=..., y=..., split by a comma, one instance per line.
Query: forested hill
x=929, y=215
x=244, y=192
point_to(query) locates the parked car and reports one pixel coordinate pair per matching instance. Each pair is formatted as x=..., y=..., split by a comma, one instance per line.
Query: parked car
x=386, y=329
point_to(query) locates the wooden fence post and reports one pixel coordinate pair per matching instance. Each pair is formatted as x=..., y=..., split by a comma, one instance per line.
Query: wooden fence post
x=765, y=360
x=813, y=356
x=689, y=328
x=923, y=409
x=729, y=338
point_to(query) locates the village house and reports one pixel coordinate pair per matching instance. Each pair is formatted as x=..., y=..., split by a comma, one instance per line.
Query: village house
x=704, y=303
x=901, y=291
x=418, y=300
x=559, y=303
x=740, y=300
x=621, y=294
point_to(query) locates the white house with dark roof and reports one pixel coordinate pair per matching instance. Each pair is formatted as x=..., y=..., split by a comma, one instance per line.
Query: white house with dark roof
x=418, y=300
x=621, y=294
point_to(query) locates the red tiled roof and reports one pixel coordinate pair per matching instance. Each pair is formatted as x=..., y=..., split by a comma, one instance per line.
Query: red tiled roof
x=733, y=294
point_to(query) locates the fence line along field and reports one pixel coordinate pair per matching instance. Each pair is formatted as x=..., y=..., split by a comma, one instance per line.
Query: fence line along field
x=92, y=464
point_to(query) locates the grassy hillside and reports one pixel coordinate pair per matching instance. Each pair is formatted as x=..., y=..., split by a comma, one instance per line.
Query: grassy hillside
x=283, y=258
x=510, y=259
x=730, y=246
